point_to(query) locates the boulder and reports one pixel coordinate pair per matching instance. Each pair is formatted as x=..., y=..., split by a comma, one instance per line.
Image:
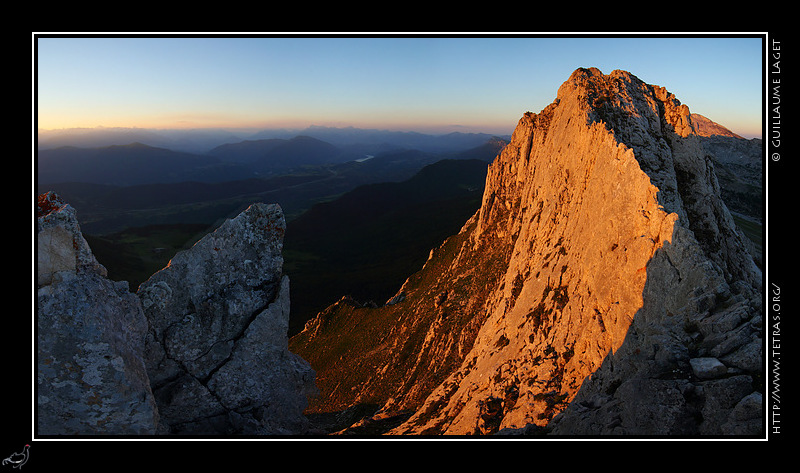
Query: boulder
x=707, y=368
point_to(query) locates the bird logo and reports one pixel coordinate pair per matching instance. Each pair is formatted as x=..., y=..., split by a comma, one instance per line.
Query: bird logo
x=16, y=460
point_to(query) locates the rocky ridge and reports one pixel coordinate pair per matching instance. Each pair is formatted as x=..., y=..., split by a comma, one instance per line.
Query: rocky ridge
x=602, y=272
x=703, y=126
x=201, y=349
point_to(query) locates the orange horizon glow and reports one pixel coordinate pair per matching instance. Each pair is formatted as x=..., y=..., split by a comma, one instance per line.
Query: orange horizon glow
x=44, y=126
x=256, y=125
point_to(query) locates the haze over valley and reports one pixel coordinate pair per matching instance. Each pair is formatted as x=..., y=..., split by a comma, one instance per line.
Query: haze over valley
x=366, y=202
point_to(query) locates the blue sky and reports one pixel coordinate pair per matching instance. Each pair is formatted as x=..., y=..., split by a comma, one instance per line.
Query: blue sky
x=411, y=83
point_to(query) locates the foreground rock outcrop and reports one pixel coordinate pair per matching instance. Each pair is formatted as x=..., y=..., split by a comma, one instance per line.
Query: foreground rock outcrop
x=602, y=288
x=91, y=376
x=217, y=353
x=201, y=349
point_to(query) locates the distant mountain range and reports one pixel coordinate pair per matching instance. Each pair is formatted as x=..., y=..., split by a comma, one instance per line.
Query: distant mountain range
x=135, y=229
x=190, y=141
x=114, y=194
x=275, y=154
x=131, y=164
x=200, y=141
x=155, y=159
x=138, y=164
x=359, y=138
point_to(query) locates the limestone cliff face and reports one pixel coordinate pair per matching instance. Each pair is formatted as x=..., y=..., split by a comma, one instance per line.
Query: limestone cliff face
x=601, y=243
x=606, y=195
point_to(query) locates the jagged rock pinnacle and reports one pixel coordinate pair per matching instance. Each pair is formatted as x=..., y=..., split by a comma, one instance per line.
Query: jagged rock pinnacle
x=217, y=349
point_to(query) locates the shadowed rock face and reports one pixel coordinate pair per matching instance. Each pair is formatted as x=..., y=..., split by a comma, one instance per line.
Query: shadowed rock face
x=201, y=350
x=600, y=256
x=217, y=349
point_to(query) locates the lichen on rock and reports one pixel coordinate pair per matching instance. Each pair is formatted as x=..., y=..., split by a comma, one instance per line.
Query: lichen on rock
x=91, y=377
